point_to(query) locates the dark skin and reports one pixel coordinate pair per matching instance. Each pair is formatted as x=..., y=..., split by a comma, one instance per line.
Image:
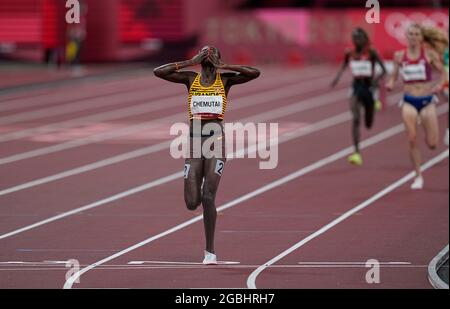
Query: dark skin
x=360, y=42
x=210, y=60
x=202, y=182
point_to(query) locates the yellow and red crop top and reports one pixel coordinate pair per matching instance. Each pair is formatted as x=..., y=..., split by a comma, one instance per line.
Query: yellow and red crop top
x=207, y=102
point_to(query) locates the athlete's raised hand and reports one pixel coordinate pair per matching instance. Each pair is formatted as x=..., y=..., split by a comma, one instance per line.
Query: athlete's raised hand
x=216, y=62
x=200, y=57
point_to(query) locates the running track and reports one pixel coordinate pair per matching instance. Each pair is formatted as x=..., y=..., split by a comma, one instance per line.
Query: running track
x=87, y=175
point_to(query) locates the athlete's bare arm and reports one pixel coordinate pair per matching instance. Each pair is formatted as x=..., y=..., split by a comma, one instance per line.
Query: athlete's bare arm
x=436, y=62
x=378, y=60
x=397, y=60
x=171, y=73
x=342, y=69
x=242, y=74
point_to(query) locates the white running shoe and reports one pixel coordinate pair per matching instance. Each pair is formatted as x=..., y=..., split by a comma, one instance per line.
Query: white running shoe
x=418, y=183
x=210, y=258
x=446, y=138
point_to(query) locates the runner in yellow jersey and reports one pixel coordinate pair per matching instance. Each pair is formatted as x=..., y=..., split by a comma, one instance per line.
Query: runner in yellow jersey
x=207, y=104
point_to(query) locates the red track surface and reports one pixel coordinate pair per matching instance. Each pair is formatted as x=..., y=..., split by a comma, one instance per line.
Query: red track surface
x=402, y=226
x=14, y=75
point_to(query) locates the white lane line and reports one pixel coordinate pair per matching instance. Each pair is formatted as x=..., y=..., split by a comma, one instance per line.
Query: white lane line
x=144, y=77
x=352, y=263
x=267, y=231
x=334, y=264
x=45, y=263
x=133, y=110
x=83, y=89
x=126, y=83
x=112, y=100
x=433, y=268
x=160, y=104
x=341, y=118
x=256, y=99
x=96, y=204
x=52, y=97
x=302, y=172
x=162, y=263
x=110, y=199
x=35, y=100
x=276, y=113
x=75, y=95
x=200, y=267
x=251, y=280
x=301, y=132
x=139, y=265
x=87, y=104
x=64, y=250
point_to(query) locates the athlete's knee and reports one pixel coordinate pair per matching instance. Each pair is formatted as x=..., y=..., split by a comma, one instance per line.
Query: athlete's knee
x=192, y=204
x=208, y=198
x=412, y=140
x=432, y=143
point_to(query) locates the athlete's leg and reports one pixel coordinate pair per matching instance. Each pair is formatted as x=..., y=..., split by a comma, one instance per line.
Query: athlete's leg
x=355, y=108
x=410, y=117
x=193, y=177
x=447, y=133
x=213, y=173
x=430, y=123
x=446, y=136
x=369, y=114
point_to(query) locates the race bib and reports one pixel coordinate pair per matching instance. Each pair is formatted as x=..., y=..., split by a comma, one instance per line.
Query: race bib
x=219, y=167
x=414, y=72
x=206, y=104
x=361, y=68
